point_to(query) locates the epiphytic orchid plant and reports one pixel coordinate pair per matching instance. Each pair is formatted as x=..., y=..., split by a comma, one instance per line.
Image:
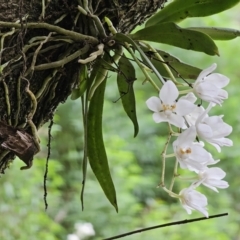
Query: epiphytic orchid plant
x=189, y=124
x=89, y=58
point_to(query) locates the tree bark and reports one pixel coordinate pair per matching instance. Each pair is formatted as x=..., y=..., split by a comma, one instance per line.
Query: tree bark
x=37, y=67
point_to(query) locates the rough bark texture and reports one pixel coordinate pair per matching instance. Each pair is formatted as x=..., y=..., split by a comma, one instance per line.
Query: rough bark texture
x=21, y=85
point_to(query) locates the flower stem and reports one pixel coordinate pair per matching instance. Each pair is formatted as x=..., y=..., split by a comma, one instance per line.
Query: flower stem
x=185, y=91
x=172, y=194
x=159, y=57
x=141, y=67
x=169, y=155
x=164, y=160
x=175, y=174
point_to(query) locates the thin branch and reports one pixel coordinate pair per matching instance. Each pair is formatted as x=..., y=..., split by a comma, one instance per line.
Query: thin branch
x=167, y=225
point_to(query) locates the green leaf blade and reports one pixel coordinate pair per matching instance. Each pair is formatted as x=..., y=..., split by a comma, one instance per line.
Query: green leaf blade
x=179, y=10
x=178, y=67
x=217, y=33
x=96, y=150
x=172, y=34
x=125, y=80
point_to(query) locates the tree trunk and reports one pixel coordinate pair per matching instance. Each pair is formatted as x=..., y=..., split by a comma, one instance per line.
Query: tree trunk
x=39, y=63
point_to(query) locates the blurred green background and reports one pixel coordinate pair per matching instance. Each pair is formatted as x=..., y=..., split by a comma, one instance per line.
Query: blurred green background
x=135, y=166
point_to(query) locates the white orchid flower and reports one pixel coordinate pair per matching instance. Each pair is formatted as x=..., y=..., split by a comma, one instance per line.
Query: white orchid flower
x=213, y=130
x=212, y=178
x=192, y=117
x=166, y=108
x=208, y=85
x=191, y=155
x=193, y=200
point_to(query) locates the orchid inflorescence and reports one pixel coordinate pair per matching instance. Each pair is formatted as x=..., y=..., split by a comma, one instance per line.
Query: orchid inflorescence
x=194, y=125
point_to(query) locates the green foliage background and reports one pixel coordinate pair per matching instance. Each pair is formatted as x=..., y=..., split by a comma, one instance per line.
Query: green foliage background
x=135, y=167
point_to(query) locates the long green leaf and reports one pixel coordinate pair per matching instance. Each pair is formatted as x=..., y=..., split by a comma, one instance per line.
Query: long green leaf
x=125, y=80
x=178, y=10
x=105, y=64
x=217, y=33
x=96, y=150
x=172, y=34
x=176, y=65
x=89, y=83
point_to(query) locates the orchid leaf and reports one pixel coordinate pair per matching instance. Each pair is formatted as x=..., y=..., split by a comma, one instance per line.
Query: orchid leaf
x=217, y=33
x=95, y=145
x=172, y=34
x=89, y=82
x=107, y=66
x=179, y=10
x=178, y=67
x=125, y=80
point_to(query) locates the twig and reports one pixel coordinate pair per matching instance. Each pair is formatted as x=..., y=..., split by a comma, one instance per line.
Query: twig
x=166, y=225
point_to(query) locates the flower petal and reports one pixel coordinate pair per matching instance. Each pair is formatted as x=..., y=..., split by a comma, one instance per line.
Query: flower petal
x=206, y=90
x=216, y=172
x=192, y=117
x=154, y=104
x=201, y=155
x=220, y=129
x=160, y=117
x=218, y=80
x=184, y=107
x=187, y=137
x=176, y=120
x=206, y=71
x=222, y=94
x=216, y=183
x=190, y=97
x=168, y=93
x=191, y=165
x=220, y=142
x=204, y=131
